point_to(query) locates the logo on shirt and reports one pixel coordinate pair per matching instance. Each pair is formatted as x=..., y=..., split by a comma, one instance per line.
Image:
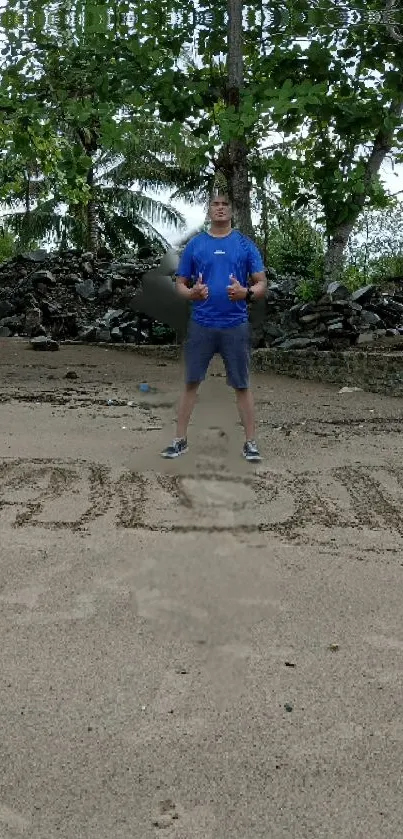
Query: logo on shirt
x=219, y=252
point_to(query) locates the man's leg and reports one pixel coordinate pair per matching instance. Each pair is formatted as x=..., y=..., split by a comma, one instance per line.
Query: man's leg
x=200, y=347
x=246, y=409
x=235, y=347
x=185, y=409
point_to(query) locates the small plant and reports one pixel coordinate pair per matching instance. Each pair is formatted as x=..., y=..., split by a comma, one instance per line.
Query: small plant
x=7, y=245
x=309, y=290
x=353, y=277
x=293, y=246
x=387, y=266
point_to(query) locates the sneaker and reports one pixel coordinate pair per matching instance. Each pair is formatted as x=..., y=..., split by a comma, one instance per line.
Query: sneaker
x=250, y=452
x=176, y=448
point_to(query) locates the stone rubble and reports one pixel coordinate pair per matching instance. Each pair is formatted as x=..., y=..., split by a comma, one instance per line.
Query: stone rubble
x=339, y=319
x=74, y=296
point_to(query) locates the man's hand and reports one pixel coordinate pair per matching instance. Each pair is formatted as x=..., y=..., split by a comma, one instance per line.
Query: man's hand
x=199, y=290
x=236, y=291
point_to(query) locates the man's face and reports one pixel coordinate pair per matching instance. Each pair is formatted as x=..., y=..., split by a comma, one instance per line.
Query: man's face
x=220, y=209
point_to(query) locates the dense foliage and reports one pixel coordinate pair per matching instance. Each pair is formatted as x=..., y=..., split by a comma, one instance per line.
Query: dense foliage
x=106, y=105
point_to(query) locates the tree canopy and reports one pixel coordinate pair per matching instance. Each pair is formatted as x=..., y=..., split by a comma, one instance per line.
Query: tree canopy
x=102, y=102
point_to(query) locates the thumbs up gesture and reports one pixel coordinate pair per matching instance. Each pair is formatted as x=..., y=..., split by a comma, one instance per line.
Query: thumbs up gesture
x=236, y=291
x=199, y=290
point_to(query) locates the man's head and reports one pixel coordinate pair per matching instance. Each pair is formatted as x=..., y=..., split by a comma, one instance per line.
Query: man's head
x=220, y=209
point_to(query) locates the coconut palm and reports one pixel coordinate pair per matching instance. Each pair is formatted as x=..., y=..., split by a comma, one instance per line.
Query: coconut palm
x=126, y=217
x=126, y=196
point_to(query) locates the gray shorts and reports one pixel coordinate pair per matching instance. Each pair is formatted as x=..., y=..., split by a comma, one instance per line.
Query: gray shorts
x=232, y=344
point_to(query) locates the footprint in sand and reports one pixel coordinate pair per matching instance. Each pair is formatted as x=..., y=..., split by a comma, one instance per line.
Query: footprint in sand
x=177, y=823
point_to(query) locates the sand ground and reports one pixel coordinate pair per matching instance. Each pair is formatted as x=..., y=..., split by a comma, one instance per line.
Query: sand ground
x=197, y=649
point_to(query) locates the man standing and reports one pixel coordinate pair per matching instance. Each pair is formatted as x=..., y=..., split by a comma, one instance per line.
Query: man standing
x=219, y=264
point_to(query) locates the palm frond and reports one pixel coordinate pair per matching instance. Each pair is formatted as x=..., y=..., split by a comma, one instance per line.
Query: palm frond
x=35, y=190
x=153, y=159
x=40, y=223
x=110, y=232
x=120, y=231
x=198, y=186
x=46, y=223
x=150, y=232
x=136, y=205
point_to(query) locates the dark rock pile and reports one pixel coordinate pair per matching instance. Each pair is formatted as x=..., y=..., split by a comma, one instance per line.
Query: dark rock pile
x=339, y=319
x=72, y=296
x=52, y=297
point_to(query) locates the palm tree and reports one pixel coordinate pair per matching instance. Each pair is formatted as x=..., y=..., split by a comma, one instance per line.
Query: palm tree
x=126, y=217
x=125, y=205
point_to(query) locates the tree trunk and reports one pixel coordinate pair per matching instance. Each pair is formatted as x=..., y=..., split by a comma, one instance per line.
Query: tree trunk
x=237, y=152
x=265, y=221
x=92, y=216
x=334, y=258
x=28, y=194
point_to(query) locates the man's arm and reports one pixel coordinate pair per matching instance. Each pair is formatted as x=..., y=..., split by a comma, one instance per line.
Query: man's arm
x=198, y=292
x=185, y=272
x=258, y=284
x=257, y=274
x=182, y=287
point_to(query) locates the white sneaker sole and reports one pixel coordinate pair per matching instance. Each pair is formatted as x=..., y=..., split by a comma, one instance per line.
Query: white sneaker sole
x=252, y=458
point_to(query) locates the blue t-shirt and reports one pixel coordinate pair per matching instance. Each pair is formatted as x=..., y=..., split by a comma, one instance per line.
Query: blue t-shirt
x=216, y=258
